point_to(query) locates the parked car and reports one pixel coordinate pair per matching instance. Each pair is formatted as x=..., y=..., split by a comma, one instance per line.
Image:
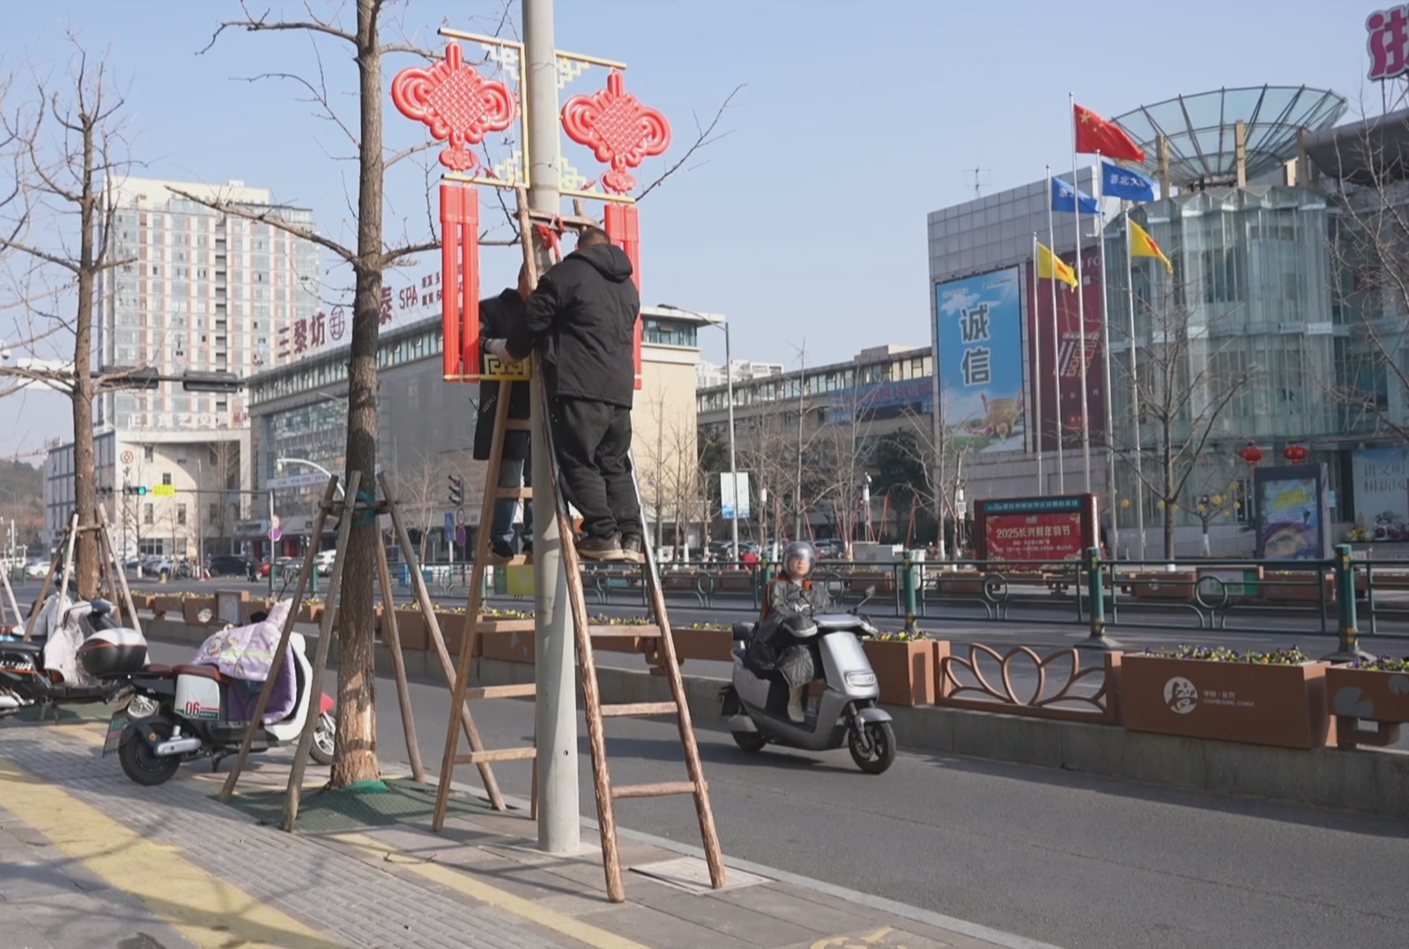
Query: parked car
x=231, y=565
x=37, y=569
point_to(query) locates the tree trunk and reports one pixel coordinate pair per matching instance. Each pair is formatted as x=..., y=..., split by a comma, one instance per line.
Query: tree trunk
x=1169, y=498
x=356, y=758
x=85, y=489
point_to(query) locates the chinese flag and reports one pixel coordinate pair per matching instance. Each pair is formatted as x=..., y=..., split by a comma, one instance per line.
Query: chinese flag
x=1095, y=134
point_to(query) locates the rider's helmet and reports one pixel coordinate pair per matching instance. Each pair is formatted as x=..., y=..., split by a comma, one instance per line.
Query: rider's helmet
x=798, y=559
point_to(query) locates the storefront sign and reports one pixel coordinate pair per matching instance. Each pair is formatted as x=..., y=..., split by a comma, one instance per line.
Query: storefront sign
x=1035, y=529
x=1381, y=494
x=1387, y=39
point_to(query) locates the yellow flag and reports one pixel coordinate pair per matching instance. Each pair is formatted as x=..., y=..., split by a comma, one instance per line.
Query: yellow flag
x=1050, y=267
x=1143, y=245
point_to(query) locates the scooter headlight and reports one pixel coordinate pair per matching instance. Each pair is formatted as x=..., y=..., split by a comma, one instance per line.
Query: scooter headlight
x=860, y=680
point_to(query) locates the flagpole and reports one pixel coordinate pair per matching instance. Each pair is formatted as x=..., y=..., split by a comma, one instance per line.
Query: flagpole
x=1034, y=375
x=1099, y=190
x=1080, y=298
x=1056, y=347
x=1135, y=393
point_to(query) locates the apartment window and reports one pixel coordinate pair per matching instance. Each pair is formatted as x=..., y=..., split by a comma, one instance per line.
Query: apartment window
x=213, y=515
x=181, y=514
x=148, y=514
x=149, y=453
x=166, y=477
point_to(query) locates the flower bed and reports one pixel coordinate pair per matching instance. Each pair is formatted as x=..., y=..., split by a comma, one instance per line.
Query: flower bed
x=1374, y=690
x=905, y=666
x=1276, y=698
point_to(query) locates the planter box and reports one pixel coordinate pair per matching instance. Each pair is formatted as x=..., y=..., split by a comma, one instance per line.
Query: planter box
x=411, y=627
x=1283, y=706
x=905, y=671
x=1371, y=695
x=1299, y=587
x=192, y=606
x=162, y=605
x=1163, y=585
x=508, y=647
x=249, y=607
x=958, y=586
x=310, y=614
x=708, y=645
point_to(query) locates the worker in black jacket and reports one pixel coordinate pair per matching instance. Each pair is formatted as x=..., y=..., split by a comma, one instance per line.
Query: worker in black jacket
x=582, y=318
x=496, y=316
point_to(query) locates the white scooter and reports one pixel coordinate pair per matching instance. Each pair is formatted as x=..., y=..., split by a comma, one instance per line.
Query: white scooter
x=755, y=703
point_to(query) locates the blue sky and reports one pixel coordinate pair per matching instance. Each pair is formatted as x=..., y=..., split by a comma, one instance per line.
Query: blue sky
x=806, y=225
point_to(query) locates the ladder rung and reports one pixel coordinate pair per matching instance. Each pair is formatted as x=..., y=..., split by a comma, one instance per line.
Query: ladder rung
x=517, y=424
x=502, y=754
x=525, y=690
x=511, y=494
x=641, y=708
x=654, y=790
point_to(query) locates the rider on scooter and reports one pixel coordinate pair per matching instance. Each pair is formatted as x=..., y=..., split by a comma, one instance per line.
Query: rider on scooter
x=788, y=603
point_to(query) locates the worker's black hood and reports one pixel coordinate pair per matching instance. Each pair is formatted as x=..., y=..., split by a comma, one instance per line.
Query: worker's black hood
x=607, y=259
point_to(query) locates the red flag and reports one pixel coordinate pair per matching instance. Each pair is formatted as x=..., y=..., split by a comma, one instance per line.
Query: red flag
x=1095, y=134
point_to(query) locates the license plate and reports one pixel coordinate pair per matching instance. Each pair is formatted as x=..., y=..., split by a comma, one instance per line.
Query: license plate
x=116, y=726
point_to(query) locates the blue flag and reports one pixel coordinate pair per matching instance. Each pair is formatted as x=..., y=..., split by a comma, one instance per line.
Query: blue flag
x=1064, y=198
x=1118, y=182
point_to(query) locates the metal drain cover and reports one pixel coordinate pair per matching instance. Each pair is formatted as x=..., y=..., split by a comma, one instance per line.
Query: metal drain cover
x=691, y=874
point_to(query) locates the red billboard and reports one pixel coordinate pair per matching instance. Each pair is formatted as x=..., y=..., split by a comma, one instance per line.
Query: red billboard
x=1040, y=529
x=1063, y=415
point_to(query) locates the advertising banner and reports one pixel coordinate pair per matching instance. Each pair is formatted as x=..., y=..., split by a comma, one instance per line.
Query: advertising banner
x=1292, y=513
x=726, y=496
x=1037, y=529
x=979, y=329
x=1067, y=379
x=1381, y=493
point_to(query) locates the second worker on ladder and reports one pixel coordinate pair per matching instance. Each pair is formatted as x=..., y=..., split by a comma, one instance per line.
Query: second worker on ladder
x=581, y=319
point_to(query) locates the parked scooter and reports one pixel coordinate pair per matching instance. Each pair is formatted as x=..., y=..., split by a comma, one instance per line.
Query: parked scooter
x=192, y=718
x=45, y=671
x=755, y=703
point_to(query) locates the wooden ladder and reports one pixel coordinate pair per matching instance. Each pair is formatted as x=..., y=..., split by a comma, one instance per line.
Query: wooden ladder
x=583, y=632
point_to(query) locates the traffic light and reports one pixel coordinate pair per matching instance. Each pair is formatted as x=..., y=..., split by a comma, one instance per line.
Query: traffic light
x=457, y=490
x=140, y=490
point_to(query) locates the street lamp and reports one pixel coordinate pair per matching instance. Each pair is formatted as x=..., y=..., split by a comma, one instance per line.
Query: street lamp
x=714, y=319
x=280, y=462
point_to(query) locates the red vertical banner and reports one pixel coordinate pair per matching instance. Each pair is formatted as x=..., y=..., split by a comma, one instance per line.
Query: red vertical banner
x=1065, y=376
x=459, y=282
x=623, y=227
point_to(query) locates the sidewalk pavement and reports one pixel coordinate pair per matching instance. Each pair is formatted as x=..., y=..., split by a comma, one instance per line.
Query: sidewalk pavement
x=89, y=859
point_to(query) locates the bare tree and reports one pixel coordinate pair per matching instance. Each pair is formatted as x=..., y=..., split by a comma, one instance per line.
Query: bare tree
x=840, y=459
x=66, y=144
x=943, y=458
x=420, y=488
x=1190, y=372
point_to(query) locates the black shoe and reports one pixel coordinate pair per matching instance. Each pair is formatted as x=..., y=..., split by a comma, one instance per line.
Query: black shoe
x=633, y=550
x=528, y=553
x=602, y=549
x=500, y=553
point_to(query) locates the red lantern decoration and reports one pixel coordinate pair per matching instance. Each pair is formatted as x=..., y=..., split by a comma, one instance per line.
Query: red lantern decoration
x=1251, y=455
x=1296, y=454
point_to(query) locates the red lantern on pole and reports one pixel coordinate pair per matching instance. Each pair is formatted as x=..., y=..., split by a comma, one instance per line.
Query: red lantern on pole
x=1296, y=454
x=1251, y=455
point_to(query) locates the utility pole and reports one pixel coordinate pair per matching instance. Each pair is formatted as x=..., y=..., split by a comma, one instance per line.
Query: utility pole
x=555, y=711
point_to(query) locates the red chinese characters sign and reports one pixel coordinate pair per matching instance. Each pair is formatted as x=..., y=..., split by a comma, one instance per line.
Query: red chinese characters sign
x=1013, y=530
x=1387, y=40
x=1060, y=388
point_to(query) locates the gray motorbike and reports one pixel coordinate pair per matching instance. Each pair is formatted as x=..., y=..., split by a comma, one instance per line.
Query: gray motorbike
x=755, y=703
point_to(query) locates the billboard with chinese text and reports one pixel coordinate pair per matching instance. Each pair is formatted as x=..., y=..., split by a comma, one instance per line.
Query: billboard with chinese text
x=1381, y=494
x=1014, y=530
x=1293, y=511
x=980, y=366
x=403, y=302
x=1059, y=391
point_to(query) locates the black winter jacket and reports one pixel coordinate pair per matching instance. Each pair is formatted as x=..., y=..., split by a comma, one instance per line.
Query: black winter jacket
x=497, y=315
x=582, y=319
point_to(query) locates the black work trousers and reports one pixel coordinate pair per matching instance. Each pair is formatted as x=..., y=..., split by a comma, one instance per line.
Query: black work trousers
x=593, y=440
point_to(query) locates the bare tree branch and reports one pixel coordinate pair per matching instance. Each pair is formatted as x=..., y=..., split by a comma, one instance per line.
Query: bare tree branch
x=704, y=138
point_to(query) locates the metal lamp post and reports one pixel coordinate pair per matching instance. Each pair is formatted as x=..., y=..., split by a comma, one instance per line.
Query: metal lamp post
x=714, y=319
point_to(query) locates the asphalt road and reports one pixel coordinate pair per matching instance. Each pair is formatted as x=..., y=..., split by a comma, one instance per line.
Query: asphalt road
x=1085, y=863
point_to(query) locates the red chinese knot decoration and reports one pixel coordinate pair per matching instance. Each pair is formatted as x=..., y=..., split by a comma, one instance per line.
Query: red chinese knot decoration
x=456, y=103
x=620, y=130
x=1295, y=454
x=1250, y=454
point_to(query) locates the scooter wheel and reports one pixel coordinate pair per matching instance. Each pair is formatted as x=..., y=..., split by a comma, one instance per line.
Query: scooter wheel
x=138, y=760
x=324, y=735
x=749, y=741
x=881, y=755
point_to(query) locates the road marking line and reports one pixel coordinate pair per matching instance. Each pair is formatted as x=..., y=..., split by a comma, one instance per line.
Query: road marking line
x=210, y=912
x=516, y=905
